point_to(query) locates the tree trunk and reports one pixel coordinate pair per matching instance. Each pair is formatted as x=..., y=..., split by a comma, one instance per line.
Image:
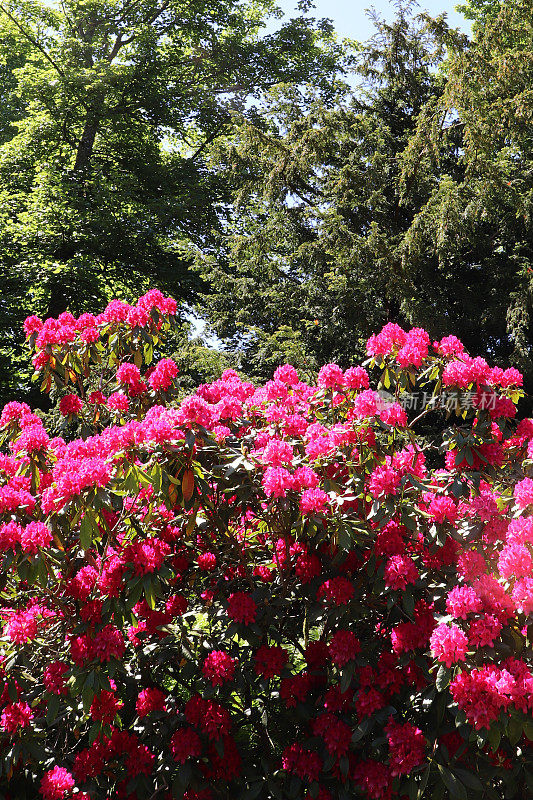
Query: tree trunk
x=86, y=143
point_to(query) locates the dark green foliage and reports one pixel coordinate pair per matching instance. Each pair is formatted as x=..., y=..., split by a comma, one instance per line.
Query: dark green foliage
x=400, y=202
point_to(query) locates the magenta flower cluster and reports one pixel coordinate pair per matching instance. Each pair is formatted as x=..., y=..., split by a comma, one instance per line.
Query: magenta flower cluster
x=273, y=591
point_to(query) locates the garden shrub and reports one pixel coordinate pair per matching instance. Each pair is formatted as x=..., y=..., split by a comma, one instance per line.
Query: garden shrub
x=275, y=592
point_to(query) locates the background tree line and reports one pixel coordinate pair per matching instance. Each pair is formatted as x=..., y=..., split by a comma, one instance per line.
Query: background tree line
x=292, y=191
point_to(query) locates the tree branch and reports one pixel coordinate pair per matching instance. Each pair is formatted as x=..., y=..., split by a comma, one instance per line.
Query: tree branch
x=32, y=41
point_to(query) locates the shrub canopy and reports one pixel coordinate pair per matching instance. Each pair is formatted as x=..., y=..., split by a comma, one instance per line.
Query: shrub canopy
x=274, y=592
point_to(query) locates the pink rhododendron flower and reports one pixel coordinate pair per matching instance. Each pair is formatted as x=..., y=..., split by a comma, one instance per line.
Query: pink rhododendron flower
x=56, y=784
x=523, y=493
x=384, y=480
x=461, y=601
x=118, y=402
x=286, y=374
x=356, y=378
x=164, y=373
x=313, y=501
x=276, y=482
x=448, y=644
x=35, y=535
x=390, y=338
x=515, y=561
x=277, y=452
x=330, y=376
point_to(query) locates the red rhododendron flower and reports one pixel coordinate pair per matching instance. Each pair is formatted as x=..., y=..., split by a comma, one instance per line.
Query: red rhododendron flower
x=400, y=571
x=270, y=660
x=150, y=700
x=105, y=707
x=336, y=591
x=53, y=678
x=304, y=763
x=407, y=747
x=242, y=608
x=219, y=667
x=184, y=744
x=15, y=716
x=343, y=647
x=70, y=404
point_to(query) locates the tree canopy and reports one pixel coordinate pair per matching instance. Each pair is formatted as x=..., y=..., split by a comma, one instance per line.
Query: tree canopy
x=296, y=191
x=406, y=200
x=109, y=106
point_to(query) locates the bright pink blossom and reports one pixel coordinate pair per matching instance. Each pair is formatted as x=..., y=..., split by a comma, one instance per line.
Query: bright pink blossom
x=523, y=493
x=56, y=784
x=313, y=501
x=448, y=644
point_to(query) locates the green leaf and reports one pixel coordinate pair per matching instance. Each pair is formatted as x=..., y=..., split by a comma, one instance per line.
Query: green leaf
x=528, y=730
x=443, y=678
x=87, y=529
x=359, y=732
x=87, y=696
x=157, y=478
x=94, y=732
x=454, y=786
x=423, y=783
x=408, y=602
x=347, y=675
x=253, y=791
x=494, y=738
x=514, y=729
x=52, y=708
x=469, y=779
x=149, y=595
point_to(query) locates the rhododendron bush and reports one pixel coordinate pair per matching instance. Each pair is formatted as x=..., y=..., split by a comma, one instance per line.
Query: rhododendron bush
x=274, y=592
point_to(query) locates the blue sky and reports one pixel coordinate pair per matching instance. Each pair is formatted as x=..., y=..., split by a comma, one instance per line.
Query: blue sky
x=350, y=19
